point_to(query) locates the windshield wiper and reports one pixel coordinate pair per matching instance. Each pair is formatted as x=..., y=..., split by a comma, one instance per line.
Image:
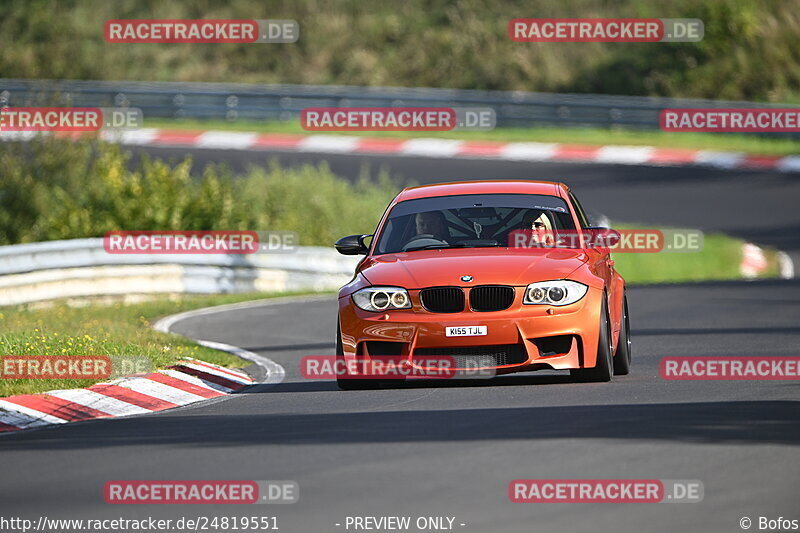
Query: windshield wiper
x=482, y=245
x=456, y=245
x=428, y=247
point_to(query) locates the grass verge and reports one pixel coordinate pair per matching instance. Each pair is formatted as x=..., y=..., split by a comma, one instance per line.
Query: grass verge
x=718, y=260
x=115, y=329
x=591, y=136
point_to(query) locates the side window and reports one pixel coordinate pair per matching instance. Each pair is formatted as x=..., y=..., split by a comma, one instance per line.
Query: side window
x=579, y=211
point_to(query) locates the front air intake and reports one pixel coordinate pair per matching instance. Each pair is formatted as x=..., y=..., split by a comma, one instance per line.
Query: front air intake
x=478, y=356
x=491, y=298
x=442, y=299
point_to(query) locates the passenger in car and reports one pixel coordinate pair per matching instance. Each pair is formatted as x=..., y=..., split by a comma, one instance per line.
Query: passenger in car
x=540, y=224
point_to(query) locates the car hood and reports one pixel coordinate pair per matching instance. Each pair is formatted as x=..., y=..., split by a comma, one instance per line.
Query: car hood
x=487, y=266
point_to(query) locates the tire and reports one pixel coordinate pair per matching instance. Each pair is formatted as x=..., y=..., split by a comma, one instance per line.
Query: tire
x=622, y=357
x=345, y=383
x=603, y=370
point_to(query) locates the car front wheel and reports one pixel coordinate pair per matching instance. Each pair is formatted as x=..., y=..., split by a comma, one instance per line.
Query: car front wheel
x=622, y=357
x=603, y=369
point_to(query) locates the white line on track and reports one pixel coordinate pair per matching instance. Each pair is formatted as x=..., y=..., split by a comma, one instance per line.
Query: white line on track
x=275, y=372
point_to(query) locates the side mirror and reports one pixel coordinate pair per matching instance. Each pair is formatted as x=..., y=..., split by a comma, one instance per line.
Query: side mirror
x=597, y=219
x=352, y=245
x=601, y=237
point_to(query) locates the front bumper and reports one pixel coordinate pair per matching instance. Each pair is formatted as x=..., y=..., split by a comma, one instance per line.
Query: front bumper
x=537, y=336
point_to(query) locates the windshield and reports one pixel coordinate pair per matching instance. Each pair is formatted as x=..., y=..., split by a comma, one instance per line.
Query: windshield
x=469, y=221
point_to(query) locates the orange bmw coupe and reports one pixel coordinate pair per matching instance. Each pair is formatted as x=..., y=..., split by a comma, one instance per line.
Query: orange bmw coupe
x=444, y=274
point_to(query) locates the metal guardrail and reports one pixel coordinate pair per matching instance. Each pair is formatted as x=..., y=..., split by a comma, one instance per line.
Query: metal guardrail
x=82, y=268
x=230, y=101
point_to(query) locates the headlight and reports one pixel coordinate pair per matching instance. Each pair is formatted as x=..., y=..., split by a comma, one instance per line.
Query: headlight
x=559, y=292
x=378, y=299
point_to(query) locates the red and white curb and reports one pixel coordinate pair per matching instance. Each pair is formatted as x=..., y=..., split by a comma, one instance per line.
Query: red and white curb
x=275, y=373
x=189, y=381
x=444, y=148
x=754, y=263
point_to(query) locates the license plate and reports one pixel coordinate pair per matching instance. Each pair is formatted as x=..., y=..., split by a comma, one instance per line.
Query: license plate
x=465, y=331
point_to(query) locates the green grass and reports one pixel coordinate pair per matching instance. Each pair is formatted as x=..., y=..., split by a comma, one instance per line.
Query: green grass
x=115, y=329
x=592, y=136
x=718, y=260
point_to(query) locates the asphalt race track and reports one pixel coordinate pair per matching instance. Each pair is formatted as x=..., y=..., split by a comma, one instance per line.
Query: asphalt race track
x=449, y=449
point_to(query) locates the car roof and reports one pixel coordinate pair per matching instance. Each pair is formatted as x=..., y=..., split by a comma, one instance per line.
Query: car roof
x=551, y=188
